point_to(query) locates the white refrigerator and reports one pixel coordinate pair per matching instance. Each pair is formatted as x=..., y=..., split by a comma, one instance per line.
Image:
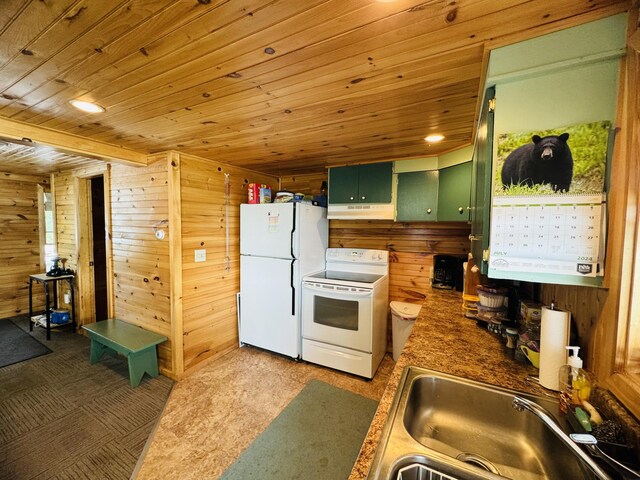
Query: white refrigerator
x=279, y=244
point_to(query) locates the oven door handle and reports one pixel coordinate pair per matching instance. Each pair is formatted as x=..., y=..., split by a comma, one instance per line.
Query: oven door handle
x=333, y=290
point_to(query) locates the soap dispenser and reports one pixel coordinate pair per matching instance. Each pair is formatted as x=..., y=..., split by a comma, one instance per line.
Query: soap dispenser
x=575, y=385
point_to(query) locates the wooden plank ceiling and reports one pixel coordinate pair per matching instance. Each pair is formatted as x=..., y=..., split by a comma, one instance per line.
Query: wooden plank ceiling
x=39, y=160
x=283, y=87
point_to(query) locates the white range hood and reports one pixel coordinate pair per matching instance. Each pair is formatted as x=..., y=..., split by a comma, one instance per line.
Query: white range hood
x=361, y=211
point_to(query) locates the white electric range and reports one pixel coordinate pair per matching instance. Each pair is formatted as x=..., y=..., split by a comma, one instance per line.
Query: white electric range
x=344, y=311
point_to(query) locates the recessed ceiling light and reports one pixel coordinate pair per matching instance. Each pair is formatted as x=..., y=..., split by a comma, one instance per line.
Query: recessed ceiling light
x=86, y=106
x=434, y=138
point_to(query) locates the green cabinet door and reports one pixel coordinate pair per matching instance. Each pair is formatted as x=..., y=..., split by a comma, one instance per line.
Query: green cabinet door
x=417, y=196
x=375, y=183
x=481, y=182
x=343, y=184
x=454, y=193
x=369, y=183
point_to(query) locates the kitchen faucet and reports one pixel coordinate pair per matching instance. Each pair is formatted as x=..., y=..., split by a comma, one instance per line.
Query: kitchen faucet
x=520, y=404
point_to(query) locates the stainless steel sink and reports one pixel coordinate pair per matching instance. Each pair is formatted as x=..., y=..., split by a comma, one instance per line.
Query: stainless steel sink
x=461, y=429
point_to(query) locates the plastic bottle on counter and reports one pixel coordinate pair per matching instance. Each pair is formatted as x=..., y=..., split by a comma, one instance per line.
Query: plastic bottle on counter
x=574, y=382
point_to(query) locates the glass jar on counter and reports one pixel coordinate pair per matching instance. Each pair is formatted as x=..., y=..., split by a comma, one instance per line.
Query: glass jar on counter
x=512, y=338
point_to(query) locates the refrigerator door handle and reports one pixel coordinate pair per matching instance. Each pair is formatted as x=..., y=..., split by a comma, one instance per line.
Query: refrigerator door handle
x=293, y=231
x=293, y=291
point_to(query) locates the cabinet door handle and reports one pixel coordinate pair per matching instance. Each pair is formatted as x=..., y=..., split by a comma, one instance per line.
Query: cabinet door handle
x=460, y=210
x=363, y=197
x=475, y=238
x=350, y=198
x=428, y=210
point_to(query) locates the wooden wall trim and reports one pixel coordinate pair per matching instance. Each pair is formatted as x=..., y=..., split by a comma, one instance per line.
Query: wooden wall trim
x=175, y=261
x=84, y=240
x=53, y=207
x=42, y=228
x=85, y=283
x=615, y=327
x=111, y=308
x=14, y=130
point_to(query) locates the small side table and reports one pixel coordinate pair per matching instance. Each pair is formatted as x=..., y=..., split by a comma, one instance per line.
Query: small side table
x=46, y=281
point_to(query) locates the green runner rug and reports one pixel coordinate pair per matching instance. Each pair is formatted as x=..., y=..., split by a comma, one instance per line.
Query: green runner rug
x=317, y=436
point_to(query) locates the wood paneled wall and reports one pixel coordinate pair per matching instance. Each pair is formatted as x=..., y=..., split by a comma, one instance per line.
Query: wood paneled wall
x=411, y=247
x=65, y=204
x=139, y=202
x=309, y=184
x=157, y=283
x=19, y=242
x=585, y=305
x=209, y=288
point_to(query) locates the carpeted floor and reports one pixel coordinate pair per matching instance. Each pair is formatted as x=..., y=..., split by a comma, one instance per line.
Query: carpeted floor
x=318, y=435
x=16, y=345
x=63, y=418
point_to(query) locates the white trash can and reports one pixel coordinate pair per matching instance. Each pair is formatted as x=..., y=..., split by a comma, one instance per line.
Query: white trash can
x=403, y=316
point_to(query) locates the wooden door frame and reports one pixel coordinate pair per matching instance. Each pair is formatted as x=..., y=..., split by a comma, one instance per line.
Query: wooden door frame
x=84, y=242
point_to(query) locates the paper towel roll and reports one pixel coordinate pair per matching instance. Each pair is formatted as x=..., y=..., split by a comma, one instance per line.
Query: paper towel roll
x=554, y=337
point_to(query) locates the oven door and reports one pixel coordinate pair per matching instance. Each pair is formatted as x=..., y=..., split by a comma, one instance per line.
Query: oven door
x=337, y=315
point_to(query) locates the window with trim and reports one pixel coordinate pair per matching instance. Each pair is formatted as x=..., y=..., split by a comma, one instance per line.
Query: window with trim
x=50, y=231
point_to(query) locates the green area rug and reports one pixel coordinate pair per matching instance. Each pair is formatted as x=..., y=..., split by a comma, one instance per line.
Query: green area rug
x=317, y=436
x=16, y=345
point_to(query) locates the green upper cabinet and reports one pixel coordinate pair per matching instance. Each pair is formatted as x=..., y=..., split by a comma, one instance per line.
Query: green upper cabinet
x=343, y=184
x=481, y=182
x=375, y=182
x=370, y=183
x=454, y=192
x=417, y=196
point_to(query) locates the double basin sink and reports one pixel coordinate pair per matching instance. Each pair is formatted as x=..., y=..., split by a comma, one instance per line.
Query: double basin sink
x=445, y=427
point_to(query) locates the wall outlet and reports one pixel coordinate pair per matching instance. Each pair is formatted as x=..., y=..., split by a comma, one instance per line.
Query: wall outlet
x=200, y=255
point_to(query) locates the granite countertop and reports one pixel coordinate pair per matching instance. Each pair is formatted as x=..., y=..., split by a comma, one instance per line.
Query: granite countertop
x=443, y=339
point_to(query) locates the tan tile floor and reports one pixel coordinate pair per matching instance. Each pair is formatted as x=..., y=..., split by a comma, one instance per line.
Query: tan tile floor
x=215, y=413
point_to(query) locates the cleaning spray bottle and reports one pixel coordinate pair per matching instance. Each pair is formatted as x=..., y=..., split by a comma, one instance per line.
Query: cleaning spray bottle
x=575, y=385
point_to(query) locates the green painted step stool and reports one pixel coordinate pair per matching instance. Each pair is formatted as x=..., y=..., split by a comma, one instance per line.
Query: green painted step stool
x=137, y=344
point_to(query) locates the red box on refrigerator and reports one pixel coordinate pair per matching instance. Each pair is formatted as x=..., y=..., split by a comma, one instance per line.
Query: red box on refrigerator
x=259, y=193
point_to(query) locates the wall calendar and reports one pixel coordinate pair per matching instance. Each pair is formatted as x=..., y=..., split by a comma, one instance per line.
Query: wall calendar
x=557, y=234
x=548, y=209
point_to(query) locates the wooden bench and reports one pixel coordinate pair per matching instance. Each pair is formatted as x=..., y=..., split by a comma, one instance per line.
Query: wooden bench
x=137, y=344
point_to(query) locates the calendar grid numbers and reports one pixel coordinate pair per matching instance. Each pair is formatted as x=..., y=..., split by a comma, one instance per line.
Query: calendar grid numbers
x=550, y=234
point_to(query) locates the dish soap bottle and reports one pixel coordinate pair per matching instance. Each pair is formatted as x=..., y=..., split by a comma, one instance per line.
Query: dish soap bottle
x=575, y=385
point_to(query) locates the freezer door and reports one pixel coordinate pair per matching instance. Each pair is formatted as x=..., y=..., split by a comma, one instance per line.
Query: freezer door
x=311, y=238
x=269, y=304
x=266, y=230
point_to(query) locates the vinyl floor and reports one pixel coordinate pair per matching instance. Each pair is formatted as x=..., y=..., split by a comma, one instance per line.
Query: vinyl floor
x=217, y=411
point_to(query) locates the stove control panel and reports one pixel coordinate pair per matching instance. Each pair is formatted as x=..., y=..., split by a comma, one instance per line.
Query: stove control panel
x=357, y=255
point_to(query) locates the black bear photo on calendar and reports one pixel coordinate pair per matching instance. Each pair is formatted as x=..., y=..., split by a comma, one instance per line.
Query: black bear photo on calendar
x=562, y=160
